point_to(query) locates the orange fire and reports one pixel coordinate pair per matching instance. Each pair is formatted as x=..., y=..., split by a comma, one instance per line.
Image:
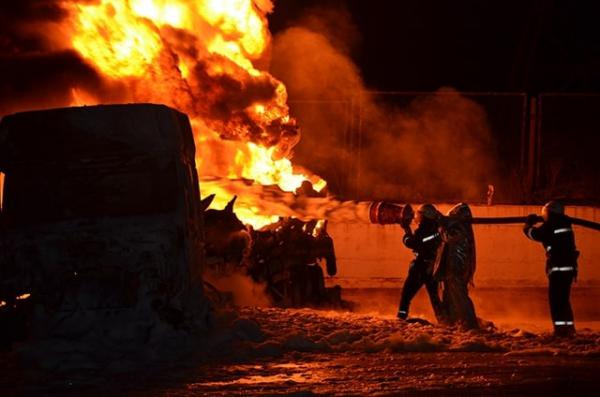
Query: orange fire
x=199, y=56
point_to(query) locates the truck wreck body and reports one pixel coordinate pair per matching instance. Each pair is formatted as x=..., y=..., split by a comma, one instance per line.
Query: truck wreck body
x=101, y=223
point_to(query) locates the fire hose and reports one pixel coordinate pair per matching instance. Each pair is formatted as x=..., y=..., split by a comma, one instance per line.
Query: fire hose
x=521, y=219
x=385, y=213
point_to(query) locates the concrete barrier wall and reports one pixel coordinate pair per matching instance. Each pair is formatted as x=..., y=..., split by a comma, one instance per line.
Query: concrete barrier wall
x=372, y=255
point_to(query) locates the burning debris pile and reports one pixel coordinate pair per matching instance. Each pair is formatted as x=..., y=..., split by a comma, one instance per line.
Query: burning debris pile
x=285, y=257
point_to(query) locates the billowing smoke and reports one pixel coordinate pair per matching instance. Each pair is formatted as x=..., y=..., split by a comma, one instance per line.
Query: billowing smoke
x=46, y=80
x=244, y=290
x=30, y=26
x=433, y=147
x=37, y=68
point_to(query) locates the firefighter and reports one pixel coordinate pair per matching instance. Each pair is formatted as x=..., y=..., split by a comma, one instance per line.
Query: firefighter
x=424, y=242
x=457, y=267
x=557, y=236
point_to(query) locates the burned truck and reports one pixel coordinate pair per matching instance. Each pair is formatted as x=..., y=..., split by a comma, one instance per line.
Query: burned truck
x=287, y=256
x=101, y=229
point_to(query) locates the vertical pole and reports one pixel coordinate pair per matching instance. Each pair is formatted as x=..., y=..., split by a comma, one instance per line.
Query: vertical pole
x=521, y=176
x=359, y=145
x=523, y=147
x=349, y=149
x=532, y=144
x=1, y=190
x=538, y=145
x=343, y=178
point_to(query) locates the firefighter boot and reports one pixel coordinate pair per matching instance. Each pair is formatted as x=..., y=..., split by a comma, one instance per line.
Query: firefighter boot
x=564, y=331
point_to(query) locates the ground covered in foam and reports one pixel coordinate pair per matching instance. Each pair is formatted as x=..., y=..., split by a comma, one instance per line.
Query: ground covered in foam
x=307, y=330
x=272, y=351
x=305, y=352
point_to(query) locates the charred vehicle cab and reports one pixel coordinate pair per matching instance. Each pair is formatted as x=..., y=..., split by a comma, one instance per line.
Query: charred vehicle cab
x=101, y=226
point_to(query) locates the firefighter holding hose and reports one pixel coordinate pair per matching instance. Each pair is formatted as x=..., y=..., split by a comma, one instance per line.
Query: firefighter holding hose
x=425, y=242
x=457, y=267
x=558, y=238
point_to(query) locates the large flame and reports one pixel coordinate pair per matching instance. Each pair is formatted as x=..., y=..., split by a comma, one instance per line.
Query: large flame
x=200, y=57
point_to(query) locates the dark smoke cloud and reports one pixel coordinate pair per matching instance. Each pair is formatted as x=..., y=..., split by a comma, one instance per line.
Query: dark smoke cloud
x=336, y=25
x=26, y=25
x=437, y=147
x=46, y=80
x=34, y=10
x=36, y=69
x=429, y=148
x=225, y=102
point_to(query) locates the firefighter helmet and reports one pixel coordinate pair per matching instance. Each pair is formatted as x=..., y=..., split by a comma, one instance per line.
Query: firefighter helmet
x=553, y=207
x=461, y=210
x=428, y=211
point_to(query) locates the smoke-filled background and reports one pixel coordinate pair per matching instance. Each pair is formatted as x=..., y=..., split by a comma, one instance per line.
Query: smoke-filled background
x=432, y=147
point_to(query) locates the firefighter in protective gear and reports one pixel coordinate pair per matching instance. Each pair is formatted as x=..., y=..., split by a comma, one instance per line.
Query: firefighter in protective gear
x=424, y=242
x=557, y=236
x=457, y=267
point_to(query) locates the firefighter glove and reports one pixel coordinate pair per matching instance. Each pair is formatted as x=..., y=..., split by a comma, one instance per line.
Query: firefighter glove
x=531, y=219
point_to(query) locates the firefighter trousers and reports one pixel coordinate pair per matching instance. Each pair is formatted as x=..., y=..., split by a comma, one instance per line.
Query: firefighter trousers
x=458, y=307
x=420, y=273
x=559, y=291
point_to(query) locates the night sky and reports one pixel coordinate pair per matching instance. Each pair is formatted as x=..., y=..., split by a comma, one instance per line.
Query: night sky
x=512, y=45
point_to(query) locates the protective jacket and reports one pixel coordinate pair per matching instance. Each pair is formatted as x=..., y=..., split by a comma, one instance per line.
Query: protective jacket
x=457, y=267
x=558, y=239
x=458, y=256
x=425, y=241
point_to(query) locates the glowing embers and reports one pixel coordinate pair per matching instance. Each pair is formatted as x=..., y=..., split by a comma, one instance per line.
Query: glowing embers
x=21, y=297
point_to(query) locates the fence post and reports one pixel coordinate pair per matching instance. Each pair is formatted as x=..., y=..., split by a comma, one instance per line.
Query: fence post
x=1, y=190
x=532, y=158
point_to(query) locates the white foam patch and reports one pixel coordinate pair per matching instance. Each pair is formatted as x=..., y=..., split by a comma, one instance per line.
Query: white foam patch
x=308, y=330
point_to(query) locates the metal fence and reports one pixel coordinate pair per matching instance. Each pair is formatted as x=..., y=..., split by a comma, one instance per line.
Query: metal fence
x=567, y=156
x=503, y=119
